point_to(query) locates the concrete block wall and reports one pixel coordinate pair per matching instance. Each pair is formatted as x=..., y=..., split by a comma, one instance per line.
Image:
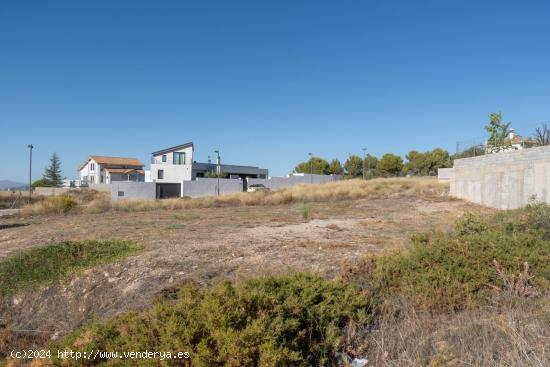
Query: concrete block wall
x=133, y=190
x=445, y=174
x=209, y=187
x=504, y=180
x=275, y=183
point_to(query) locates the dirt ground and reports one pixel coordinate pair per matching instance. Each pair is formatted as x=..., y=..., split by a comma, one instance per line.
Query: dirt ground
x=203, y=245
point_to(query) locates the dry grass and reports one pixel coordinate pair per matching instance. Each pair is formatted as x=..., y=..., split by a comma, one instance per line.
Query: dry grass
x=333, y=191
x=513, y=332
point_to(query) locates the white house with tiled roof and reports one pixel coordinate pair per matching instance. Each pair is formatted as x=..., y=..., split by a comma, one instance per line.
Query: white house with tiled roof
x=104, y=170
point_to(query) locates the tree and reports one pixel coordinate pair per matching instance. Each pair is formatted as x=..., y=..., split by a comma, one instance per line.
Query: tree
x=390, y=165
x=335, y=167
x=52, y=173
x=370, y=165
x=542, y=135
x=314, y=165
x=427, y=163
x=354, y=166
x=499, y=132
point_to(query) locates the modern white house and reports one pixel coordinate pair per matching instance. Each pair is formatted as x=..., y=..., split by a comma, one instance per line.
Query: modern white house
x=105, y=170
x=176, y=164
x=172, y=165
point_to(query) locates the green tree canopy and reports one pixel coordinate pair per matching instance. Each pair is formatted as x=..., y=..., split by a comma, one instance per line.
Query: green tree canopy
x=314, y=165
x=354, y=166
x=427, y=163
x=498, y=132
x=390, y=165
x=371, y=166
x=52, y=173
x=335, y=167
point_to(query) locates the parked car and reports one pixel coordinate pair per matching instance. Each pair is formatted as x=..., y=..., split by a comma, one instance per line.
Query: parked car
x=256, y=187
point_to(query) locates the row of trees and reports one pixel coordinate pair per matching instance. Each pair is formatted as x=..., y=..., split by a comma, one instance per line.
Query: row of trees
x=417, y=163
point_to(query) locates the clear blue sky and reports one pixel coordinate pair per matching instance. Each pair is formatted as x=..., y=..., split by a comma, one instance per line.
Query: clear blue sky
x=264, y=81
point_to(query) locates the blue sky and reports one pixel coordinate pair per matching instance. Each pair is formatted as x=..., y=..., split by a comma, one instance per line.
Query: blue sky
x=266, y=82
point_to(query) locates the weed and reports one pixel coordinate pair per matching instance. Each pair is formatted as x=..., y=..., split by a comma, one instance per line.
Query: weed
x=305, y=211
x=43, y=265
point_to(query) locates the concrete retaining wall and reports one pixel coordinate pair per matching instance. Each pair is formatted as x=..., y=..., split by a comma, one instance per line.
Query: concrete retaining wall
x=505, y=180
x=133, y=191
x=294, y=179
x=445, y=174
x=209, y=187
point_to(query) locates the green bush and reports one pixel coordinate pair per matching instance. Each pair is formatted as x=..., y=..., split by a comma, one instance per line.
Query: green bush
x=43, y=182
x=450, y=271
x=279, y=321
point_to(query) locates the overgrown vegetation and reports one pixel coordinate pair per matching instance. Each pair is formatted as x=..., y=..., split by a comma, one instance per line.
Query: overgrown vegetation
x=43, y=265
x=475, y=295
x=94, y=202
x=457, y=270
x=285, y=321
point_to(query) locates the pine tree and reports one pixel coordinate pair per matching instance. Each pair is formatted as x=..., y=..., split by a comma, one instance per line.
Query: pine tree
x=53, y=171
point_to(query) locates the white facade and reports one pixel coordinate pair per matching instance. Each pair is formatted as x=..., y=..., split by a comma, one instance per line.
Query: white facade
x=94, y=172
x=172, y=165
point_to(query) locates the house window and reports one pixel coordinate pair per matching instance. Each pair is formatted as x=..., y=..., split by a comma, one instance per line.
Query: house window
x=164, y=157
x=179, y=158
x=92, y=167
x=160, y=174
x=92, y=179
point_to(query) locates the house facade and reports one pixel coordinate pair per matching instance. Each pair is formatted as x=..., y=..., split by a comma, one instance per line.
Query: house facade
x=174, y=165
x=105, y=170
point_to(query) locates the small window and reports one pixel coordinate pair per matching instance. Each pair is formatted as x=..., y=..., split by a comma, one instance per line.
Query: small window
x=92, y=167
x=160, y=174
x=164, y=157
x=121, y=193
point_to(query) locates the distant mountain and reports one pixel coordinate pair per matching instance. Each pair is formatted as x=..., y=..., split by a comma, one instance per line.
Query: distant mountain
x=7, y=184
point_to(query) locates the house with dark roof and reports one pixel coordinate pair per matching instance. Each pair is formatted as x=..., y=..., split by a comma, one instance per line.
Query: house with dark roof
x=176, y=164
x=98, y=169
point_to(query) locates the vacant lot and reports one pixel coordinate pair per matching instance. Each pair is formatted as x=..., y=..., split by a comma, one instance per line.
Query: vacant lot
x=229, y=241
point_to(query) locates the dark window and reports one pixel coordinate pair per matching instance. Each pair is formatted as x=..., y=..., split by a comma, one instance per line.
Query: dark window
x=179, y=158
x=160, y=174
x=164, y=157
x=121, y=193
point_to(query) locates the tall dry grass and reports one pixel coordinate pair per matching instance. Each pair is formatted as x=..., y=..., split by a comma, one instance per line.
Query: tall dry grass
x=95, y=202
x=512, y=332
x=341, y=190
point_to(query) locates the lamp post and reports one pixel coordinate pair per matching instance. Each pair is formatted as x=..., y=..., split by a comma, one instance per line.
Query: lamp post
x=310, y=167
x=364, y=158
x=30, y=146
x=218, y=169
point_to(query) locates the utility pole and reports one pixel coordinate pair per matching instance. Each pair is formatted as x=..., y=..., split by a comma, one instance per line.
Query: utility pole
x=218, y=169
x=310, y=167
x=364, y=158
x=30, y=146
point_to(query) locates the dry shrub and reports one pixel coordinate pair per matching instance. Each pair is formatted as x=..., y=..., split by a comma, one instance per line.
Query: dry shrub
x=52, y=205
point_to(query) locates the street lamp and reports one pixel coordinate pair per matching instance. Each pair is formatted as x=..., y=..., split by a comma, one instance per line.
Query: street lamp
x=30, y=146
x=364, y=158
x=311, y=167
x=218, y=169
